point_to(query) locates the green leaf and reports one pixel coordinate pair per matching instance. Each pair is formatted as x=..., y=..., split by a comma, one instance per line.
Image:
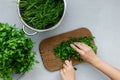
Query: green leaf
x=64, y=51
x=41, y=14
x=16, y=55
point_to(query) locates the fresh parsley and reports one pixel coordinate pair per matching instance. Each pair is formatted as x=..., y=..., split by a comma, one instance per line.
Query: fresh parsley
x=15, y=51
x=64, y=51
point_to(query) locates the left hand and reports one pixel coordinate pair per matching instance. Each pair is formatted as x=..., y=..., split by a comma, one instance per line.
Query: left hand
x=68, y=72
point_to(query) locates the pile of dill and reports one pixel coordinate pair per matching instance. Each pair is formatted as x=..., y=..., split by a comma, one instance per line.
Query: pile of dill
x=41, y=14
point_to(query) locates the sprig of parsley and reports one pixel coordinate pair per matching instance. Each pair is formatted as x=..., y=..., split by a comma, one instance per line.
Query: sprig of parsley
x=15, y=51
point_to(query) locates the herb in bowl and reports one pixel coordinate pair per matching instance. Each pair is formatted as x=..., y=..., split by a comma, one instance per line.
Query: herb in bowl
x=64, y=51
x=15, y=51
x=41, y=14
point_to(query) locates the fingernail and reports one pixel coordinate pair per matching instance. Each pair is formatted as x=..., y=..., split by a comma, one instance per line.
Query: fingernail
x=66, y=61
x=76, y=43
x=71, y=44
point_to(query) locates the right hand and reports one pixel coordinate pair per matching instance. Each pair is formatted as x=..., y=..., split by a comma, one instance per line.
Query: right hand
x=86, y=52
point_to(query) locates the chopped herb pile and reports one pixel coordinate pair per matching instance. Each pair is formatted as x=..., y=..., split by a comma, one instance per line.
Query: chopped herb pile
x=41, y=14
x=15, y=51
x=64, y=51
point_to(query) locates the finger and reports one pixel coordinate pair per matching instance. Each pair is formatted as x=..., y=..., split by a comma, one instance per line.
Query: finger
x=70, y=62
x=67, y=62
x=64, y=70
x=77, y=49
x=85, y=45
x=64, y=65
x=62, y=73
x=80, y=45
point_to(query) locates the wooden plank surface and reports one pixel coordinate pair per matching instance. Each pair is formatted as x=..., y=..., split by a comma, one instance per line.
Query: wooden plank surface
x=50, y=61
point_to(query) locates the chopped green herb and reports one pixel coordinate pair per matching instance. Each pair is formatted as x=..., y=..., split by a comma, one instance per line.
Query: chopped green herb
x=64, y=51
x=15, y=51
x=75, y=68
x=41, y=14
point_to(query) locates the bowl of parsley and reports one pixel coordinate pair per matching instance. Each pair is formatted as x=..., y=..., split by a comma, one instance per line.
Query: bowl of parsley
x=41, y=15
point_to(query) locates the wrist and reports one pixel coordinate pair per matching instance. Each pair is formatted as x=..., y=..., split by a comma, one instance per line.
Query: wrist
x=95, y=61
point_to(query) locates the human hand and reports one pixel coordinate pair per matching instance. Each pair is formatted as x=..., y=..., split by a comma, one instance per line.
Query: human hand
x=86, y=52
x=68, y=72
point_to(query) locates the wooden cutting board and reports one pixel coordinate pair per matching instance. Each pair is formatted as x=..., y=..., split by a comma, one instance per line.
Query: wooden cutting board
x=50, y=61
